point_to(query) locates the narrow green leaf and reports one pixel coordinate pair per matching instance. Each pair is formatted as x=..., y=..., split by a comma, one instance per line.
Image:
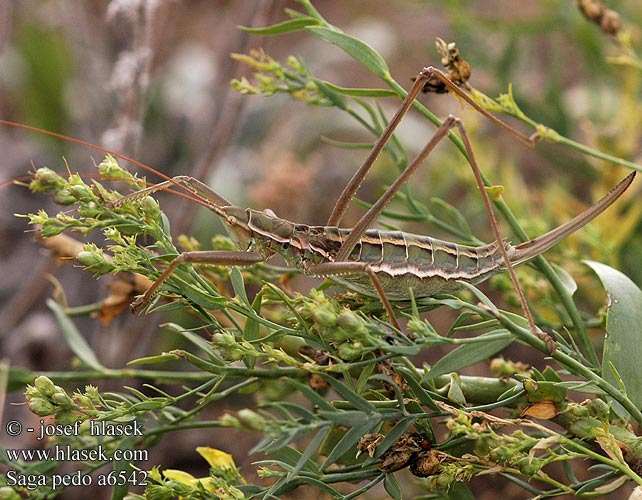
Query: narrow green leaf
x=354, y=47
x=314, y=397
x=291, y=457
x=202, y=298
x=335, y=98
x=122, y=468
x=159, y=358
x=566, y=279
x=238, y=284
x=419, y=392
x=622, y=346
x=347, y=145
x=284, y=27
x=468, y=354
x=393, y=436
x=392, y=487
x=357, y=401
x=195, y=339
x=480, y=296
x=251, y=330
x=74, y=339
x=455, y=216
x=345, y=418
x=18, y=378
x=310, y=448
x=321, y=485
x=361, y=92
x=350, y=440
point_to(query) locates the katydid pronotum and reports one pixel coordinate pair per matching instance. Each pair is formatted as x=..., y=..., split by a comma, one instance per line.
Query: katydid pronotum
x=390, y=265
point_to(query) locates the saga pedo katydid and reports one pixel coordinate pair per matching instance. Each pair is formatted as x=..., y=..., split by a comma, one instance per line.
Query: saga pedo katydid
x=390, y=265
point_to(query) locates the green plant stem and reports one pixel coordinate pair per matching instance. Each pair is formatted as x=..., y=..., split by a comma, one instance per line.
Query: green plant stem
x=164, y=376
x=573, y=365
x=622, y=467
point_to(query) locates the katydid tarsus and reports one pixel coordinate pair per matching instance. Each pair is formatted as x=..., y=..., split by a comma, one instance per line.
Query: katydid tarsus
x=390, y=265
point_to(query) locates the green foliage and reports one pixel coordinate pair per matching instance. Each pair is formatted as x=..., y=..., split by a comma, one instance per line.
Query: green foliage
x=339, y=403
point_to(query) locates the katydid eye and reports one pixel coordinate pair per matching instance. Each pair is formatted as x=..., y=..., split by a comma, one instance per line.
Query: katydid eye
x=231, y=220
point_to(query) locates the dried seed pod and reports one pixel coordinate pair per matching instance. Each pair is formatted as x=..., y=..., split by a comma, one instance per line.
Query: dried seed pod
x=402, y=453
x=596, y=10
x=369, y=442
x=426, y=464
x=459, y=69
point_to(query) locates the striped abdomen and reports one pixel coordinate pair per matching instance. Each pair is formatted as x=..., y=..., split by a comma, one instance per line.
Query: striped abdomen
x=401, y=260
x=427, y=265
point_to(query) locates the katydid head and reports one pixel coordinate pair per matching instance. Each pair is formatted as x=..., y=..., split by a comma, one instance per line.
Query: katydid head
x=235, y=219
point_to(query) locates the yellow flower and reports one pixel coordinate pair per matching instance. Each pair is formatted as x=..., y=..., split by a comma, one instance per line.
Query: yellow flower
x=216, y=458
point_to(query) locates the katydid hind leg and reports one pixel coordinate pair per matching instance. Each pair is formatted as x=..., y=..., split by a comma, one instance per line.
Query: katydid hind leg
x=498, y=236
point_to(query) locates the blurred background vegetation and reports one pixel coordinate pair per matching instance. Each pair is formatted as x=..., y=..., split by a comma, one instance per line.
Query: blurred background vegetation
x=151, y=80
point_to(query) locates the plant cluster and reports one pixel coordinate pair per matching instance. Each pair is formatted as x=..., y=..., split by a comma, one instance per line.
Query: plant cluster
x=341, y=404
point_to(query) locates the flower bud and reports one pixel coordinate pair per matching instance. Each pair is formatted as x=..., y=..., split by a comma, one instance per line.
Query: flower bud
x=64, y=197
x=41, y=407
x=228, y=420
x=251, y=420
x=82, y=192
x=351, y=322
x=62, y=400
x=151, y=209
x=350, y=351
x=8, y=493
x=46, y=179
x=324, y=317
x=44, y=385
x=94, y=261
x=109, y=168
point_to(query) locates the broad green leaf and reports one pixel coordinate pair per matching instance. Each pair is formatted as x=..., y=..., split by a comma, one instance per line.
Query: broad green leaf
x=284, y=27
x=566, y=279
x=622, y=345
x=74, y=339
x=354, y=47
x=455, y=391
x=460, y=491
x=466, y=355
